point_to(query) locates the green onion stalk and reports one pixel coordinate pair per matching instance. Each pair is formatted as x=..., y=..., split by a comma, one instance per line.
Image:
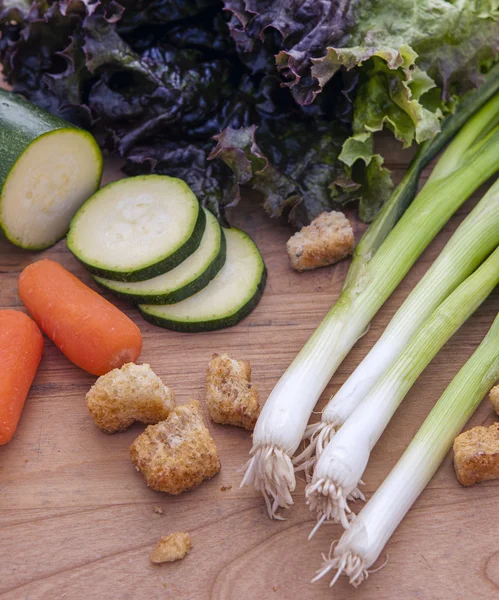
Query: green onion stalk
x=472, y=242
x=361, y=544
x=342, y=464
x=283, y=420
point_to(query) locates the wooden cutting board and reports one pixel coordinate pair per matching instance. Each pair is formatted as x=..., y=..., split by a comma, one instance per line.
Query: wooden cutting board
x=77, y=520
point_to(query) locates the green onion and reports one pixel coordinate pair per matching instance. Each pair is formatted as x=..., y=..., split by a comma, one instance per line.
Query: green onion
x=361, y=544
x=343, y=461
x=283, y=420
x=472, y=242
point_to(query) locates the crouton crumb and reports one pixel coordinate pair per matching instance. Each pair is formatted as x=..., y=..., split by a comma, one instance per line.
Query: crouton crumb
x=158, y=510
x=225, y=488
x=476, y=455
x=231, y=398
x=176, y=455
x=171, y=547
x=494, y=398
x=131, y=393
x=328, y=239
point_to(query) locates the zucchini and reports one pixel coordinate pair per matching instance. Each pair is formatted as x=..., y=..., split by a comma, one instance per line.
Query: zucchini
x=137, y=228
x=48, y=168
x=189, y=277
x=228, y=298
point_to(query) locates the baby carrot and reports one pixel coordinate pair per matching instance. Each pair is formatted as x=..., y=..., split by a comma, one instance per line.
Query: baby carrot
x=88, y=329
x=21, y=345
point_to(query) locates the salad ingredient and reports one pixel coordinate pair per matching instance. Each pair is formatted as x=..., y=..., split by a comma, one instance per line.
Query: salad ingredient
x=471, y=243
x=343, y=461
x=372, y=279
x=21, y=346
x=226, y=300
x=231, y=398
x=48, y=168
x=178, y=454
x=404, y=59
x=191, y=275
x=171, y=548
x=360, y=546
x=476, y=455
x=293, y=164
x=327, y=240
x=137, y=228
x=128, y=394
x=155, y=81
x=87, y=329
x=494, y=398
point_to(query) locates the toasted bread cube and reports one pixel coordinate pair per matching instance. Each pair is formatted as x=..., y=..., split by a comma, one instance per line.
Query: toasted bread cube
x=171, y=547
x=328, y=239
x=476, y=455
x=230, y=396
x=176, y=455
x=494, y=398
x=131, y=393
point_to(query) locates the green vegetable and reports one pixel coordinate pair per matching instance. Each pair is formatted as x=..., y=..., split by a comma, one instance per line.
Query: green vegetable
x=361, y=545
x=471, y=158
x=473, y=241
x=309, y=180
x=48, y=168
x=138, y=228
x=191, y=275
x=226, y=300
x=156, y=80
x=342, y=463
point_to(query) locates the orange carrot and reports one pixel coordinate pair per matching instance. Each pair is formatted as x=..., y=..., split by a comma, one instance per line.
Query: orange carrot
x=21, y=346
x=88, y=329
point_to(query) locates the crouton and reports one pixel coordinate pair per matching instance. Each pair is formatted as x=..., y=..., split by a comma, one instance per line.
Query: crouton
x=328, y=239
x=476, y=455
x=176, y=455
x=131, y=393
x=494, y=398
x=171, y=547
x=230, y=397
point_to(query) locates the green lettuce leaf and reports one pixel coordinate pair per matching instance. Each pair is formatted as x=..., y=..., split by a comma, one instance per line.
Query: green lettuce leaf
x=412, y=58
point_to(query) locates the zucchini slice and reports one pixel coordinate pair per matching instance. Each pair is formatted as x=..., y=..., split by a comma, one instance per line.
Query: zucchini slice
x=229, y=297
x=48, y=168
x=137, y=228
x=188, y=278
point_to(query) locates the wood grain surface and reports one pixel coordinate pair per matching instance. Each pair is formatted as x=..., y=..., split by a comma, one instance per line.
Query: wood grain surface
x=77, y=520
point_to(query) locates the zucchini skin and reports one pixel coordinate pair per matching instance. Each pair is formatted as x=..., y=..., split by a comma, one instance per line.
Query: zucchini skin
x=155, y=269
x=230, y=321
x=21, y=124
x=183, y=292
